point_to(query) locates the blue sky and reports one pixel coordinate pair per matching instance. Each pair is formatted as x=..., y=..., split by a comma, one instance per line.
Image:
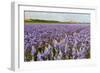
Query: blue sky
x=78, y=17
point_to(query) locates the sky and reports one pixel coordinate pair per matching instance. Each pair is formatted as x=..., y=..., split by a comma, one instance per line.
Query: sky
x=77, y=17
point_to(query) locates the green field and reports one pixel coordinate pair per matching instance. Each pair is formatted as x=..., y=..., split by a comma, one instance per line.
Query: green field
x=38, y=21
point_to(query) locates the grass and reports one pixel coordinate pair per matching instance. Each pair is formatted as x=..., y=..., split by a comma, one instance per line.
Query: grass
x=38, y=21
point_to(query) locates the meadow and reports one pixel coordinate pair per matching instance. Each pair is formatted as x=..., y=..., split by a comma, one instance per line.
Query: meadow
x=58, y=41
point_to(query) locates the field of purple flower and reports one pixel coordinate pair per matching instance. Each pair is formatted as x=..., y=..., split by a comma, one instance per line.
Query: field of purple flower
x=56, y=42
